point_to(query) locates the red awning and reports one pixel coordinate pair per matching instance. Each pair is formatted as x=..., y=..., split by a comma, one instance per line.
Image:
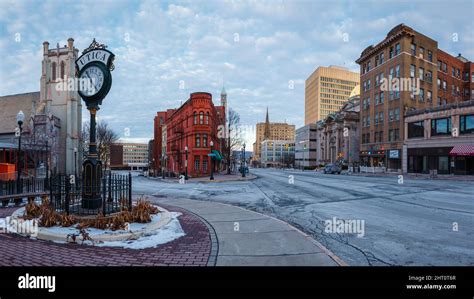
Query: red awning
x=462, y=150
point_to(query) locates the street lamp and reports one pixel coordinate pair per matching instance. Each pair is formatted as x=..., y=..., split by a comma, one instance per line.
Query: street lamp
x=186, y=163
x=20, y=117
x=212, y=161
x=243, y=162
x=75, y=161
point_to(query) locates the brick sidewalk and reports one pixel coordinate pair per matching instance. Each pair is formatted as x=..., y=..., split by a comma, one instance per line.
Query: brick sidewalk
x=193, y=249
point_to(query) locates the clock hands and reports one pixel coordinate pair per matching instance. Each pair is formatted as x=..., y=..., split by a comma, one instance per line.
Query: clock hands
x=87, y=74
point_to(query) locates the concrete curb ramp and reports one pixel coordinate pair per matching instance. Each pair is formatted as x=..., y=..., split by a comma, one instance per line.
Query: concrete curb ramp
x=247, y=238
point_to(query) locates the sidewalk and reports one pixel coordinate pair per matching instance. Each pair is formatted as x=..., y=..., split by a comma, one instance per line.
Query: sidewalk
x=246, y=238
x=217, y=178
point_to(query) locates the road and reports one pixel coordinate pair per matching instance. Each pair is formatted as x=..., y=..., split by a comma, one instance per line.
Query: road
x=414, y=222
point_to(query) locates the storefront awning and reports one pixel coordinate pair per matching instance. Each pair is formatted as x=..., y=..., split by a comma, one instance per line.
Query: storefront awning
x=462, y=150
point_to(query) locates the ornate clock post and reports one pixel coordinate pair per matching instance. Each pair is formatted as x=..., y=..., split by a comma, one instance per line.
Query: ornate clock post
x=95, y=80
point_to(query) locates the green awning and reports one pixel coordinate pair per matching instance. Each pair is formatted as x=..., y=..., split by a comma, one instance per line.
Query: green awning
x=216, y=155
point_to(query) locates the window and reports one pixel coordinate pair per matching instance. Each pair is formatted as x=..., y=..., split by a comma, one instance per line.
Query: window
x=390, y=74
x=390, y=115
x=439, y=83
x=195, y=118
x=376, y=119
x=412, y=71
x=204, y=140
x=397, y=113
x=196, y=163
x=53, y=71
x=368, y=121
x=204, y=164
x=413, y=49
x=422, y=52
x=444, y=67
x=453, y=90
x=438, y=101
x=397, y=71
x=429, y=76
x=421, y=73
x=429, y=96
x=467, y=124
x=381, y=97
x=381, y=57
x=368, y=66
x=397, y=49
x=381, y=117
x=430, y=56
x=472, y=77
x=422, y=95
x=207, y=118
x=441, y=126
x=416, y=129
x=198, y=140
x=201, y=118
x=453, y=71
x=368, y=84
x=390, y=53
x=376, y=60
x=393, y=135
x=439, y=65
x=365, y=86
x=62, y=72
x=377, y=98
x=445, y=86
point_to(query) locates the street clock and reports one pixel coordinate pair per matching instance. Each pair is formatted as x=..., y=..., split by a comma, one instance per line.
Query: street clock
x=94, y=71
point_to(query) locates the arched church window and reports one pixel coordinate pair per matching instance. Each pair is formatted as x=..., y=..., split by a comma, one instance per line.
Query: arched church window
x=207, y=118
x=53, y=71
x=195, y=118
x=62, y=69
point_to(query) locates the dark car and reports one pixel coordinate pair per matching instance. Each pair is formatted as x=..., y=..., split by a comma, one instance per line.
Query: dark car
x=332, y=168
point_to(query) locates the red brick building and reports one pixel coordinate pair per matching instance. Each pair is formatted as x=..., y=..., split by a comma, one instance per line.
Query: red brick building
x=455, y=79
x=195, y=124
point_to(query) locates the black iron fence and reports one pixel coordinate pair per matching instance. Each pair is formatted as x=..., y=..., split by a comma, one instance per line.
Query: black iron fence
x=25, y=187
x=115, y=194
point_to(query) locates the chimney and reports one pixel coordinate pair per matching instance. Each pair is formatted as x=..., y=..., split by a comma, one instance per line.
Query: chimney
x=459, y=55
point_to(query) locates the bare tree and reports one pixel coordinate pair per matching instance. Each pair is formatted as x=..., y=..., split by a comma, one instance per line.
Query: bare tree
x=105, y=137
x=233, y=137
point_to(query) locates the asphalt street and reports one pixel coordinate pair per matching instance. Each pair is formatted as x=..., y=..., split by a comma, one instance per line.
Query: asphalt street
x=409, y=222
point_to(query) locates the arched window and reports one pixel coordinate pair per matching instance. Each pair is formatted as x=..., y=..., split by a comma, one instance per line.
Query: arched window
x=63, y=66
x=201, y=118
x=195, y=118
x=53, y=71
x=207, y=118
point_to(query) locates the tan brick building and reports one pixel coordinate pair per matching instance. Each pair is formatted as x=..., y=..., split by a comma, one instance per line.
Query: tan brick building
x=327, y=90
x=271, y=131
x=398, y=75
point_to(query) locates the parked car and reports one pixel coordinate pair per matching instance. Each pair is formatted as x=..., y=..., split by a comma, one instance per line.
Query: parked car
x=332, y=168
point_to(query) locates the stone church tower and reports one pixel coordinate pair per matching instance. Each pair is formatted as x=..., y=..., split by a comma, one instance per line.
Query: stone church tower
x=64, y=102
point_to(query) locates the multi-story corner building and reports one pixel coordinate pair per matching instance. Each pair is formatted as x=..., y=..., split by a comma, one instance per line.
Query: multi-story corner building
x=194, y=126
x=277, y=153
x=306, y=146
x=271, y=131
x=326, y=91
x=440, y=138
x=399, y=74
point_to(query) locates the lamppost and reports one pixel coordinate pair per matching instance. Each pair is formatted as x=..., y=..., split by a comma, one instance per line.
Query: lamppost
x=186, y=163
x=75, y=161
x=243, y=162
x=212, y=161
x=20, y=117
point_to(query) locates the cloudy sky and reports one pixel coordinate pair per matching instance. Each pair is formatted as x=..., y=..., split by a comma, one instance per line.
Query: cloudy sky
x=262, y=51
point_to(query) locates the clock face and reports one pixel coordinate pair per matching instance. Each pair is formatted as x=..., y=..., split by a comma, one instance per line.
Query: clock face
x=93, y=78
